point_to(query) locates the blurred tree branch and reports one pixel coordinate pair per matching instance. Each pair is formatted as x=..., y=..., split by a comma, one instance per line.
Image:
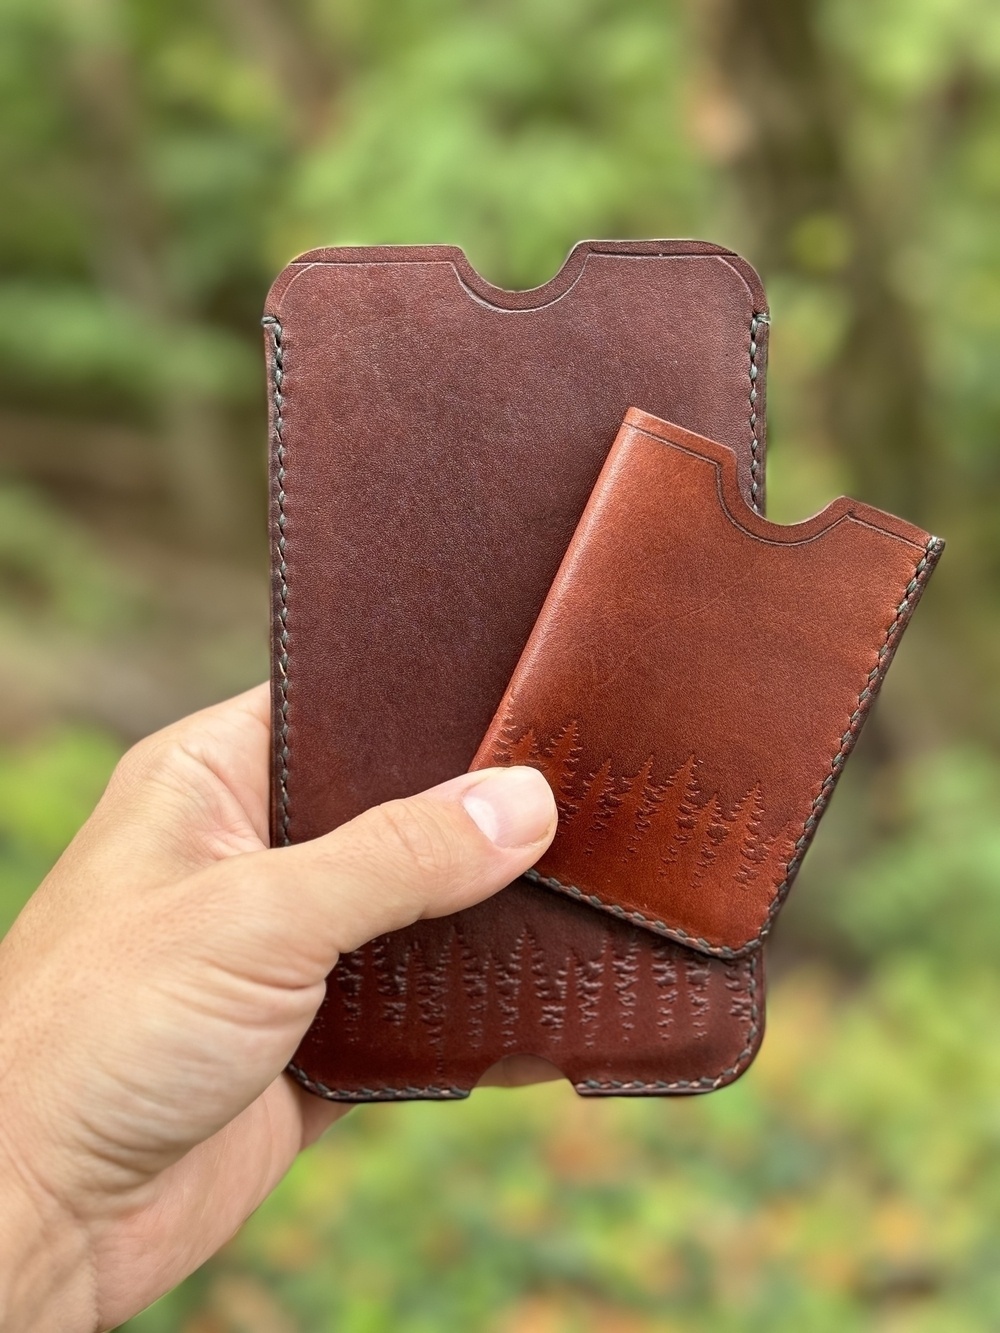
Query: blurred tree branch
x=810, y=214
x=131, y=256
x=278, y=38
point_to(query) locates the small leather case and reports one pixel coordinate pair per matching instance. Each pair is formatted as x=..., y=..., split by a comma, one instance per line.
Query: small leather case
x=694, y=684
x=434, y=440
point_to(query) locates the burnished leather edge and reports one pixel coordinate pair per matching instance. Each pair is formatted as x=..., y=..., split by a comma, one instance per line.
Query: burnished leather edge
x=505, y=298
x=752, y=521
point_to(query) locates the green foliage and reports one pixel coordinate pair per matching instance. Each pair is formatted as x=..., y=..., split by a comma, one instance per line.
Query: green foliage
x=511, y=130
x=81, y=340
x=934, y=887
x=48, y=787
x=852, y=1181
x=51, y=566
x=160, y=163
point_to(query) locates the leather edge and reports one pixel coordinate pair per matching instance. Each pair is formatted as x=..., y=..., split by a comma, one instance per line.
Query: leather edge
x=752, y=522
x=504, y=298
x=698, y=1087
x=279, y=817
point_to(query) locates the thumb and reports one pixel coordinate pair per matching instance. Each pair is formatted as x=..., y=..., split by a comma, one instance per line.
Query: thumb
x=423, y=856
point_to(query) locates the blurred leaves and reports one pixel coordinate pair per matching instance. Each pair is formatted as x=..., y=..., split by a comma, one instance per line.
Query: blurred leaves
x=48, y=787
x=825, y=1191
x=52, y=566
x=72, y=337
x=933, y=888
x=484, y=133
x=160, y=163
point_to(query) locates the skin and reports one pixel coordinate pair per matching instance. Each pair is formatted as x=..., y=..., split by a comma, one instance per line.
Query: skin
x=160, y=979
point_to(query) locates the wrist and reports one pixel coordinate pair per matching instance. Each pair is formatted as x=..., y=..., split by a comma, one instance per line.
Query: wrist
x=46, y=1281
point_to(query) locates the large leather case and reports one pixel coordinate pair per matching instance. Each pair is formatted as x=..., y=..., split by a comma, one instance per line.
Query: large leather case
x=434, y=440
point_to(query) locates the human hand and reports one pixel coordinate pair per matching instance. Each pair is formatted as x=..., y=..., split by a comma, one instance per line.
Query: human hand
x=158, y=982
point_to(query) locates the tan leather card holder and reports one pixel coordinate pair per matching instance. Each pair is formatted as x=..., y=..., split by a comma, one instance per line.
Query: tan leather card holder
x=695, y=682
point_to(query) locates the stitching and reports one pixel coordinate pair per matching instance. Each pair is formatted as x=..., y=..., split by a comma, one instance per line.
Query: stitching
x=407, y=1093
x=741, y=1062
x=873, y=683
x=871, y=687
x=449, y=1091
x=639, y=918
x=755, y=322
x=284, y=754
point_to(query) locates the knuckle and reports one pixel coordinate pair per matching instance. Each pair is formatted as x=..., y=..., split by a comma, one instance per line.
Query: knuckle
x=418, y=838
x=231, y=876
x=155, y=760
x=138, y=760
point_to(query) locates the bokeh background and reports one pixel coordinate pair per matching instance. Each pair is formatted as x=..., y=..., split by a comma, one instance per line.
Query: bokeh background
x=159, y=163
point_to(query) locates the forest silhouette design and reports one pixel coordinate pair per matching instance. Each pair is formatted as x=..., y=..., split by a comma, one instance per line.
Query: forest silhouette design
x=666, y=847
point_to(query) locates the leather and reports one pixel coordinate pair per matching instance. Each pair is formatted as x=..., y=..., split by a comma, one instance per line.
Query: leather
x=423, y=1012
x=695, y=682
x=434, y=440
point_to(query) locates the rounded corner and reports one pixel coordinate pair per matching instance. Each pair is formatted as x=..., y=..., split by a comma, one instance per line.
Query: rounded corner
x=751, y=279
x=281, y=283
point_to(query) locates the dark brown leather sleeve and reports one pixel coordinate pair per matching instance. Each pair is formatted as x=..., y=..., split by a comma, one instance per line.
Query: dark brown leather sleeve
x=695, y=682
x=434, y=440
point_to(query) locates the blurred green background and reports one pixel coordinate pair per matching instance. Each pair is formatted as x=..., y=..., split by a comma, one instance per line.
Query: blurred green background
x=159, y=163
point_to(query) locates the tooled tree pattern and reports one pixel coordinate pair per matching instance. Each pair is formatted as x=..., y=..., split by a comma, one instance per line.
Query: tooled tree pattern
x=673, y=838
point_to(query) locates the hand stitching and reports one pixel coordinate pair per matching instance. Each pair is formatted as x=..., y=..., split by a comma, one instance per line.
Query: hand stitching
x=755, y=322
x=284, y=754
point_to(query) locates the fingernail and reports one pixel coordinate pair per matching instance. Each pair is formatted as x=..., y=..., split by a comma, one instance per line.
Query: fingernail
x=514, y=807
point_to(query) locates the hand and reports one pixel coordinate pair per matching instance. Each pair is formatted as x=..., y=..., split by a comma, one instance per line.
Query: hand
x=158, y=982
